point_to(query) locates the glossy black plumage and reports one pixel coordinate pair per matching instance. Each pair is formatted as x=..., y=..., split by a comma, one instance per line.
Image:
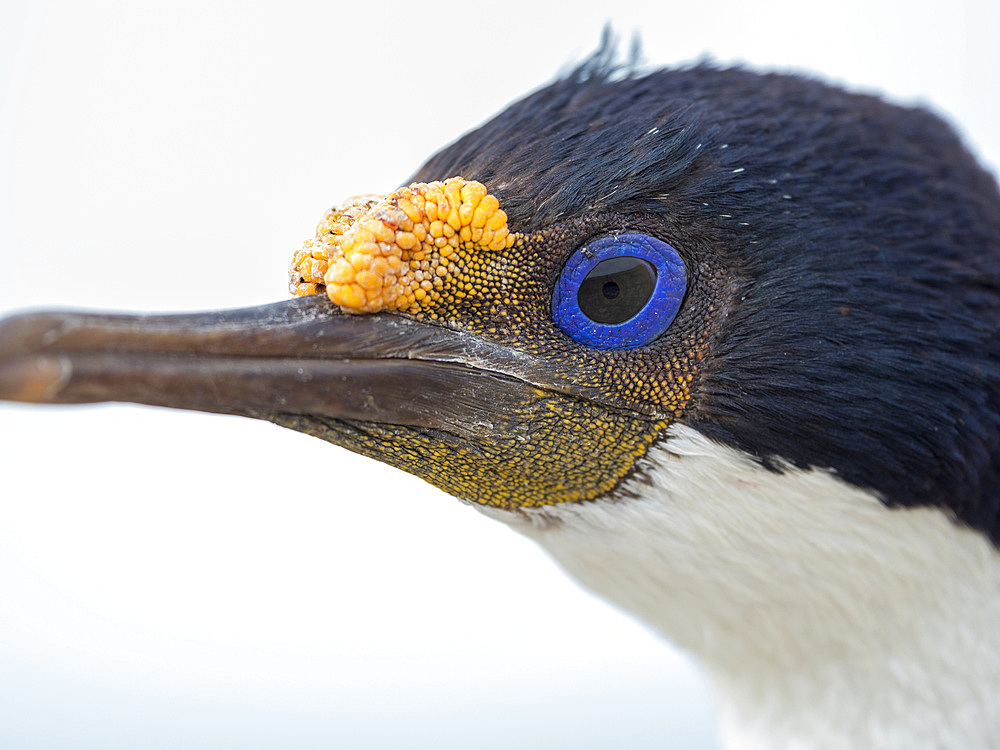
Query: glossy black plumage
x=863, y=242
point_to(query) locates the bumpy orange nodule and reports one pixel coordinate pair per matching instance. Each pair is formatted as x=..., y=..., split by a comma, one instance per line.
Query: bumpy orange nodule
x=397, y=252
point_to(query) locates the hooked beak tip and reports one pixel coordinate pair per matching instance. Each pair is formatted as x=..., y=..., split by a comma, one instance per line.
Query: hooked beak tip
x=26, y=373
x=36, y=380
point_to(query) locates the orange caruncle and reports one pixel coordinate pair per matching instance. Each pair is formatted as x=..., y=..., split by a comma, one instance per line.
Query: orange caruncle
x=395, y=253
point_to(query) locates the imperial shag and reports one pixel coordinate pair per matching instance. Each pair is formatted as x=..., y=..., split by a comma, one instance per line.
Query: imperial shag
x=724, y=344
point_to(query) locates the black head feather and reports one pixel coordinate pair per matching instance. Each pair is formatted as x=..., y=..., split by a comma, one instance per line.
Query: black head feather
x=861, y=237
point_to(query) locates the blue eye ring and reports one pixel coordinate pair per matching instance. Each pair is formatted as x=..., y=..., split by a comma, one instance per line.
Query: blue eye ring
x=650, y=320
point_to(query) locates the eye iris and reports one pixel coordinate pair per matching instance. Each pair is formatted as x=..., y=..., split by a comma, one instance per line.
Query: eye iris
x=616, y=289
x=619, y=292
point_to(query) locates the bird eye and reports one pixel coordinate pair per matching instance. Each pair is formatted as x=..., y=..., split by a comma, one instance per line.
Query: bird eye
x=619, y=292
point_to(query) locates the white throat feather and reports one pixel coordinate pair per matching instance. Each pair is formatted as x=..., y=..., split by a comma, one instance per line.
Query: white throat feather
x=824, y=618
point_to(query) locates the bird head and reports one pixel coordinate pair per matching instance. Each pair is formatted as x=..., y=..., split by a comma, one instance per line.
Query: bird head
x=804, y=274
x=540, y=319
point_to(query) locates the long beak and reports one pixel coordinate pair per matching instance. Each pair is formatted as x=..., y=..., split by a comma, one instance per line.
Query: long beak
x=296, y=357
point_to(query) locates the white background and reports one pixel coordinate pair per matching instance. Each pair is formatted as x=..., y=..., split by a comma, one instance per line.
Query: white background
x=175, y=580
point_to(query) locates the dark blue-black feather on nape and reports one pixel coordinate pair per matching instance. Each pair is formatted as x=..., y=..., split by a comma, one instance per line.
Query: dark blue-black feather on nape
x=861, y=242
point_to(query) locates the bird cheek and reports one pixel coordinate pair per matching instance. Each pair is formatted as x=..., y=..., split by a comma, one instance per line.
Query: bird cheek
x=549, y=451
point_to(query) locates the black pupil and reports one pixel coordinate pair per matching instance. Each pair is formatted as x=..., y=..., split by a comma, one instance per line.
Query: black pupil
x=616, y=289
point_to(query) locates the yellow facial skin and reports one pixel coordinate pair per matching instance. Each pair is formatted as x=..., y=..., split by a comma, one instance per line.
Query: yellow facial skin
x=567, y=452
x=442, y=252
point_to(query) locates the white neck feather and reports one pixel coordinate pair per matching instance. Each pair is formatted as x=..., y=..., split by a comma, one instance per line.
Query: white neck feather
x=824, y=619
